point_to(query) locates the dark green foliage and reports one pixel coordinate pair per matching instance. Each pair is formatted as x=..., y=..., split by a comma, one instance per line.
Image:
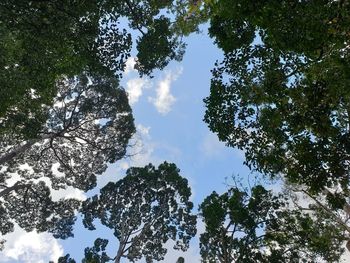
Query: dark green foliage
x=281, y=92
x=65, y=259
x=145, y=209
x=43, y=40
x=63, y=115
x=157, y=47
x=260, y=227
x=92, y=254
x=31, y=207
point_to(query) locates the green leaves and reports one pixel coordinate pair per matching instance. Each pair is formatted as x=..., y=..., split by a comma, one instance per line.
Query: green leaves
x=282, y=96
x=92, y=254
x=43, y=41
x=145, y=209
x=89, y=126
x=259, y=226
x=157, y=47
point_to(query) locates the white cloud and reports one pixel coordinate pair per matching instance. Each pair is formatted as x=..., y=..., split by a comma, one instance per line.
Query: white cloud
x=129, y=65
x=164, y=99
x=346, y=255
x=69, y=192
x=143, y=130
x=134, y=88
x=135, y=85
x=30, y=247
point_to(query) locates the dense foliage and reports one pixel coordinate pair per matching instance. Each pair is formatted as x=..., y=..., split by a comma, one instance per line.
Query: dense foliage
x=88, y=126
x=41, y=41
x=281, y=92
x=63, y=114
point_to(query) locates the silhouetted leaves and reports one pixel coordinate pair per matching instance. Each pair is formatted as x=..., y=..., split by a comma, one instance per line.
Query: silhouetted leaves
x=260, y=226
x=88, y=126
x=145, y=209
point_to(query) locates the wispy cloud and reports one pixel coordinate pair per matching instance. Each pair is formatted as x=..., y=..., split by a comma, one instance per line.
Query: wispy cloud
x=164, y=100
x=142, y=151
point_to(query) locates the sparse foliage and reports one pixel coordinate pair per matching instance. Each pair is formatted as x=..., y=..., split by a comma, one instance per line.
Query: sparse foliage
x=261, y=227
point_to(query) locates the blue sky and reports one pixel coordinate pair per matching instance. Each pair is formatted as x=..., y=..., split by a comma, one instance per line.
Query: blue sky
x=168, y=111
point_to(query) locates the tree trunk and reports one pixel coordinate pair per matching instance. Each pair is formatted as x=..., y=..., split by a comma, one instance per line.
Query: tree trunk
x=14, y=187
x=22, y=148
x=119, y=253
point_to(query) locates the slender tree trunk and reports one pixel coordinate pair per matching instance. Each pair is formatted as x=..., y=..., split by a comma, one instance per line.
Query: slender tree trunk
x=120, y=252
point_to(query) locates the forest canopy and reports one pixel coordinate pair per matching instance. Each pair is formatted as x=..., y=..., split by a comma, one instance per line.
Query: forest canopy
x=280, y=94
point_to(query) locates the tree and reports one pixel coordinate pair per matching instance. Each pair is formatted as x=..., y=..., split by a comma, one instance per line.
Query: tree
x=144, y=209
x=281, y=93
x=262, y=227
x=88, y=126
x=41, y=41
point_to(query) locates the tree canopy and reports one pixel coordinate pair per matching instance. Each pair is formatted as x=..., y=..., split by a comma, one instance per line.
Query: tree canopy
x=43, y=41
x=260, y=226
x=88, y=126
x=281, y=93
x=145, y=209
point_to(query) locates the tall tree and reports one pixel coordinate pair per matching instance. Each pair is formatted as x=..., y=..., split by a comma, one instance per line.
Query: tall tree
x=281, y=93
x=259, y=226
x=87, y=127
x=145, y=209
